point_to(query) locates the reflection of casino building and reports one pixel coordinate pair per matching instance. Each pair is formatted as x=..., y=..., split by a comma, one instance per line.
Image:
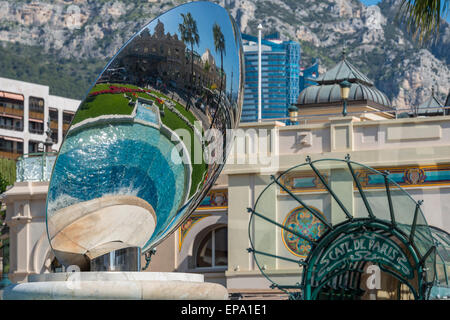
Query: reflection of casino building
x=166, y=57
x=214, y=240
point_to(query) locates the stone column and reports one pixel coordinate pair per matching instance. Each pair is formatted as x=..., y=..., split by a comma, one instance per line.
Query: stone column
x=341, y=134
x=25, y=216
x=18, y=219
x=240, y=195
x=341, y=181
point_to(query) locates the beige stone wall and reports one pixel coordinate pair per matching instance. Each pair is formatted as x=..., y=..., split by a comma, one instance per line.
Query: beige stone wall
x=165, y=259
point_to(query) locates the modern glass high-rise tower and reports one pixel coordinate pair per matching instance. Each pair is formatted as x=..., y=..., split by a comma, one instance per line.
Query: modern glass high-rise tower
x=280, y=67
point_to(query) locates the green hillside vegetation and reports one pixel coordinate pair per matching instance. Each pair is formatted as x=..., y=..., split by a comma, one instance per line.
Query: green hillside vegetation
x=66, y=77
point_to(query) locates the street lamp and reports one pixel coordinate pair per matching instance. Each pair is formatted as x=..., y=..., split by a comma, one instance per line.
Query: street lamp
x=345, y=90
x=48, y=141
x=293, y=112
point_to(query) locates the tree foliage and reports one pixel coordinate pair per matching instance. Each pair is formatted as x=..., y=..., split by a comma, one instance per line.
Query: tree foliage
x=65, y=77
x=7, y=173
x=423, y=17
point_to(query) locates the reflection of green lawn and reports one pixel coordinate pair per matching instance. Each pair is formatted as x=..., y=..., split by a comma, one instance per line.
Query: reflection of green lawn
x=172, y=121
x=102, y=104
x=178, y=106
x=107, y=104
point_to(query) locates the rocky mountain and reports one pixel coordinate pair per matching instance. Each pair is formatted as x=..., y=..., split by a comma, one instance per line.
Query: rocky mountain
x=66, y=43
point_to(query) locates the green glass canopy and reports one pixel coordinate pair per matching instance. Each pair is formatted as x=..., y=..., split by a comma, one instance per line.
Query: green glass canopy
x=441, y=288
x=317, y=228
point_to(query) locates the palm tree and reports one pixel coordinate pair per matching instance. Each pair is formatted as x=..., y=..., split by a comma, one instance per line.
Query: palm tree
x=219, y=45
x=423, y=17
x=189, y=35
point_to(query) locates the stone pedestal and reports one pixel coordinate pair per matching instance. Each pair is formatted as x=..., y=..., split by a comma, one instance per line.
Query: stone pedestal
x=116, y=285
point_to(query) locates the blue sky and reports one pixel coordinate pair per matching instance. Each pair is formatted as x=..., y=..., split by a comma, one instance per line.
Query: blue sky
x=370, y=2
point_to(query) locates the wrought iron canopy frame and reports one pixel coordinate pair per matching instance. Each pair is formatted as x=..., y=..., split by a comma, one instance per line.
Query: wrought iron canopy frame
x=311, y=291
x=305, y=289
x=442, y=241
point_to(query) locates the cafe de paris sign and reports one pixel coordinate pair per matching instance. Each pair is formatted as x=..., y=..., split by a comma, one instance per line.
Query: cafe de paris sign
x=366, y=246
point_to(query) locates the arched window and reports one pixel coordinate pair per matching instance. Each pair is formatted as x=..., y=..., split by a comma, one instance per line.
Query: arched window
x=212, y=251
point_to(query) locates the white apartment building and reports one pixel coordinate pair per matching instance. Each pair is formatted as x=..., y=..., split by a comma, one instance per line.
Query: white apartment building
x=25, y=109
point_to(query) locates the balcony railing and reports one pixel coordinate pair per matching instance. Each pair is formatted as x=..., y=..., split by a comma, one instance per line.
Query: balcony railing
x=53, y=124
x=11, y=111
x=36, y=131
x=8, y=127
x=36, y=115
x=35, y=166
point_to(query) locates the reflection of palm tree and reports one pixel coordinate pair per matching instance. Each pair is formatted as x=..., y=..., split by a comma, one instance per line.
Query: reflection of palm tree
x=189, y=35
x=219, y=45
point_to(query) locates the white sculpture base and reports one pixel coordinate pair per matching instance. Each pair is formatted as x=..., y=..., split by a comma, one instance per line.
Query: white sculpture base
x=116, y=285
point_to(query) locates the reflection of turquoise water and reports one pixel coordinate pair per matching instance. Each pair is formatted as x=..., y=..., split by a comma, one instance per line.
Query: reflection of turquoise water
x=127, y=159
x=146, y=112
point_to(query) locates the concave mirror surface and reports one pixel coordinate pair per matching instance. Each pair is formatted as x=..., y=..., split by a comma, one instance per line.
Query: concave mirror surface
x=150, y=138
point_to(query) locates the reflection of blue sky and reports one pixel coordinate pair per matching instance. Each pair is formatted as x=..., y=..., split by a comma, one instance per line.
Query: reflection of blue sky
x=206, y=14
x=375, y=2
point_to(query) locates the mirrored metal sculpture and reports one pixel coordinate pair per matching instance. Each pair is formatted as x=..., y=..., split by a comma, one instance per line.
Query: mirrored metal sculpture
x=150, y=138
